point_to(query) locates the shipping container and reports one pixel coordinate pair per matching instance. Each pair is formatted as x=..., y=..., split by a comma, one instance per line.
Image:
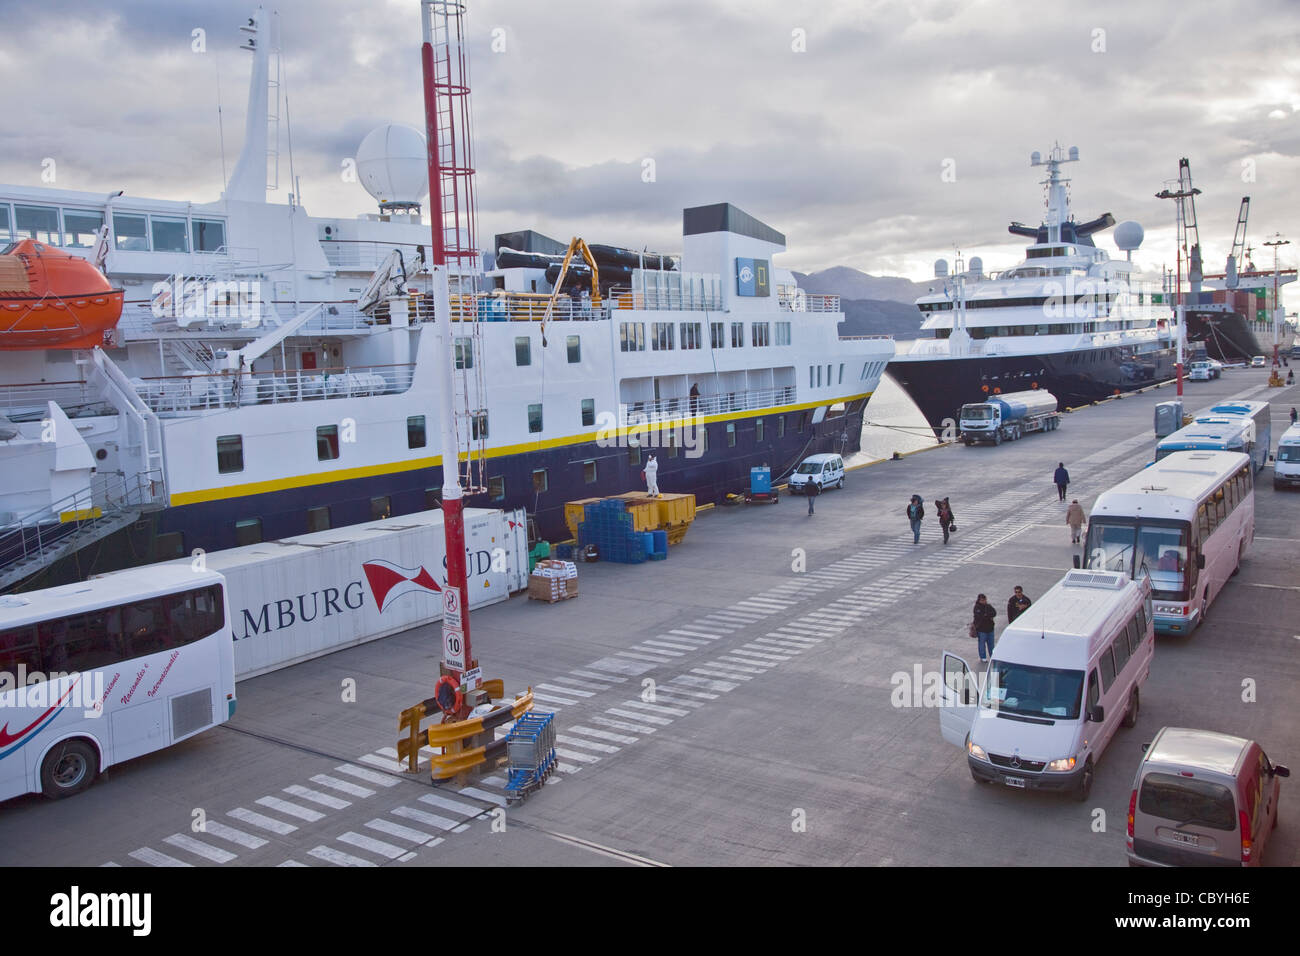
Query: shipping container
x=302, y=597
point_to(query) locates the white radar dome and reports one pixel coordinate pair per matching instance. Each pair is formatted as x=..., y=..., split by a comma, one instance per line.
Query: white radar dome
x=1128, y=235
x=976, y=265
x=940, y=268
x=393, y=165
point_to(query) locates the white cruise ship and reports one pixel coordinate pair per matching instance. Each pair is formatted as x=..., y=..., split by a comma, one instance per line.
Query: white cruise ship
x=246, y=394
x=1068, y=318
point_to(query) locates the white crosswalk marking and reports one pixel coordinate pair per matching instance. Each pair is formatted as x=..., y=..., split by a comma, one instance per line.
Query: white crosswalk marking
x=199, y=848
x=218, y=829
x=383, y=763
x=608, y=678
x=634, y=715
x=428, y=819
x=602, y=735
x=261, y=820
x=343, y=786
x=589, y=744
x=674, y=687
x=363, y=842
x=744, y=665
x=714, y=671
x=690, y=680
x=552, y=700
x=564, y=690
x=315, y=796
x=290, y=809
x=337, y=857
x=154, y=858
x=622, y=725
x=655, y=708
x=673, y=645
x=478, y=794
x=361, y=773
x=574, y=755
x=409, y=834
x=455, y=806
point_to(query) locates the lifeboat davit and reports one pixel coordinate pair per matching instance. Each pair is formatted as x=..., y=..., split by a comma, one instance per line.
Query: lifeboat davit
x=51, y=299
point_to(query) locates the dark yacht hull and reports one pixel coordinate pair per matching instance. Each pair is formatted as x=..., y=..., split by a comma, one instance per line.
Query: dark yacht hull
x=940, y=386
x=1227, y=335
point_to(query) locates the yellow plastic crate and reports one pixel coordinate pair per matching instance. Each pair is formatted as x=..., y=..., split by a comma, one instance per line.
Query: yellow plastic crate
x=574, y=513
x=676, y=509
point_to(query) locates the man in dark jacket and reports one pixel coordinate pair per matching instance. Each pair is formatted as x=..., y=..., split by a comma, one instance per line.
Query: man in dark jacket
x=984, y=617
x=1062, y=479
x=812, y=490
x=1018, y=604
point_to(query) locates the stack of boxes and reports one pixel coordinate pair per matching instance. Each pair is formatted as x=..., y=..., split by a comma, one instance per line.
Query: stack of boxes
x=553, y=580
x=610, y=527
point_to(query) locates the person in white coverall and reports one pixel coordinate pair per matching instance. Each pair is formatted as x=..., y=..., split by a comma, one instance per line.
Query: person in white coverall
x=652, y=477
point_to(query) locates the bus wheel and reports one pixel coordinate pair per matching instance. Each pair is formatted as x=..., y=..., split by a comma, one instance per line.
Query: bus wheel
x=69, y=768
x=1084, y=786
x=1131, y=715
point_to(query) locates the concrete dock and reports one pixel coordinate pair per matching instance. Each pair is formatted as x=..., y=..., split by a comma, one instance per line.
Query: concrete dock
x=739, y=703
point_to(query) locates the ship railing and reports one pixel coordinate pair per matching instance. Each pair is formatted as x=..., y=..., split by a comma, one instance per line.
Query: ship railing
x=866, y=338
x=27, y=401
x=514, y=307
x=808, y=302
x=669, y=409
x=364, y=253
x=688, y=299
x=173, y=395
x=37, y=533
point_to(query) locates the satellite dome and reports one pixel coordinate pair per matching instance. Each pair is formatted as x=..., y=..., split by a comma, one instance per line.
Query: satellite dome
x=976, y=266
x=393, y=165
x=940, y=268
x=1128, y=235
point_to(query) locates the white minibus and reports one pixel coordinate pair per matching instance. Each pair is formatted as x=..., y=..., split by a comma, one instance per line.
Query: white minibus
x=1062, y=679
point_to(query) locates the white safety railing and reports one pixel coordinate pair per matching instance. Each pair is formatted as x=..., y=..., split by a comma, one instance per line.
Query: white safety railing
x=668, y=409
x=186, y=394
x=364, y=254
x=808, y=302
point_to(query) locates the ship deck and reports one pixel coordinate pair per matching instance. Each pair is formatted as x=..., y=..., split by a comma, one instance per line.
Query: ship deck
x=775, y=693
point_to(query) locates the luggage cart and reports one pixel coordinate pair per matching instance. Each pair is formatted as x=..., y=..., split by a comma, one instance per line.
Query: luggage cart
x=530, y=752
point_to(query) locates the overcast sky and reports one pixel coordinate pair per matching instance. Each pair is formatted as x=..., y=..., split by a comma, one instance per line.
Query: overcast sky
x=831, y=120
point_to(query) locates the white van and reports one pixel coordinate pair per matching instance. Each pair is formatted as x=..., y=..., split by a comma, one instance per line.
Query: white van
x=1062, y=679
x=1286, y=463
x=1201, y=372
x=826, y=470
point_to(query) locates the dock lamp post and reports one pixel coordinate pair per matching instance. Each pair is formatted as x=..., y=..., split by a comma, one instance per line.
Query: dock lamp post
x=1275, y=242
x=1178, y=283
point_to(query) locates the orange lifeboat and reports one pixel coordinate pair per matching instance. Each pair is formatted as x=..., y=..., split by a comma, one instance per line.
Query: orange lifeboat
x=51, y=299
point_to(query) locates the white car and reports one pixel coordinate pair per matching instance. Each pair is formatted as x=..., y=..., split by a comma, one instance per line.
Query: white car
x=1257, y=362
x=825, y=470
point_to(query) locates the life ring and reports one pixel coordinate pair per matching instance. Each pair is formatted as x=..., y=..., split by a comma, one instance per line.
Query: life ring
x=447, y=695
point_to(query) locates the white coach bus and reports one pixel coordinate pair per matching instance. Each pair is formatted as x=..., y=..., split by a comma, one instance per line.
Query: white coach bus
x=1187, y=521
x=96, y=673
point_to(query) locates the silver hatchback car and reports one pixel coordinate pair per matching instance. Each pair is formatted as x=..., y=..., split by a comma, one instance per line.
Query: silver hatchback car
x=1202, y=798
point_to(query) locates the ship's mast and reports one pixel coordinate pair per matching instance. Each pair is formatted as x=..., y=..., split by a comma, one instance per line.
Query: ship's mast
x=1058, y=202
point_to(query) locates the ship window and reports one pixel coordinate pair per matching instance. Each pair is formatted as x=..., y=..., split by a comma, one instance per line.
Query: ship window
x=758, y=430
x=464, y=353
x=780, y=426
x=731, y=434
x=589, y=472
x=209, y=235
x=783, y=333
x=318, y=519
x=574, y=346
x=230, y=454
x=661, y=336
x=703, y=441
x=534, y=418
x=717, y=335
x=631, y=336
x=415, y=436
x=130, y=233
x=759, y=333
x=380, y=508
x=737, y=334
x=841, y=381
x=588, y=411
x=168, y=235
x=248, y=531
x=692, y=335
x=819, y=376
x=540, y=483
x=37, y=222
x=633, y=453
x=4, y=221
x=81, y=229
x=327, y=442
x=523, y=350
x=479, y=426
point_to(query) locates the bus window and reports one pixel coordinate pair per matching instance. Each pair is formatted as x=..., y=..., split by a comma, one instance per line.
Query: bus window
x=144, y=628
x=19, y=648
x=1110, y=547
x=1162, y=550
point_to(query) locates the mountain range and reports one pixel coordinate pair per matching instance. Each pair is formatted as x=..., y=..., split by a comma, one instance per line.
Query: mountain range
x=873, y=305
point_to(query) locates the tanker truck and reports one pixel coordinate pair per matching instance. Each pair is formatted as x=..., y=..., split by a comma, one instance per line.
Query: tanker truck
x=1007, y=417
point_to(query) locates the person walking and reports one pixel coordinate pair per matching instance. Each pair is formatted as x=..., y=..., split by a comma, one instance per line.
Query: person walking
x=1018, y=604
x=1075, y=518
x=915, y=512
x=1293, y=416
x=985, y=614
x=812, y=489
x=944, y=512
x=1062, y=479
x=1290, y=377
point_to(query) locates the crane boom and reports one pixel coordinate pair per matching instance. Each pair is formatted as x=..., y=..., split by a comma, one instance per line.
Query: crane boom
x=1191, y=234
x=1235, y=260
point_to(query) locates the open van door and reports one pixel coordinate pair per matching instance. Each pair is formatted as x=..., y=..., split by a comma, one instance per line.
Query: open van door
x=960, y=697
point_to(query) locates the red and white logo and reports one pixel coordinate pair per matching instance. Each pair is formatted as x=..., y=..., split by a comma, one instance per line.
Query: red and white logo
x=388, y=582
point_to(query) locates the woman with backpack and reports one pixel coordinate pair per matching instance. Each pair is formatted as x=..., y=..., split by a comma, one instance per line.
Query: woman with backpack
x=946, y=521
